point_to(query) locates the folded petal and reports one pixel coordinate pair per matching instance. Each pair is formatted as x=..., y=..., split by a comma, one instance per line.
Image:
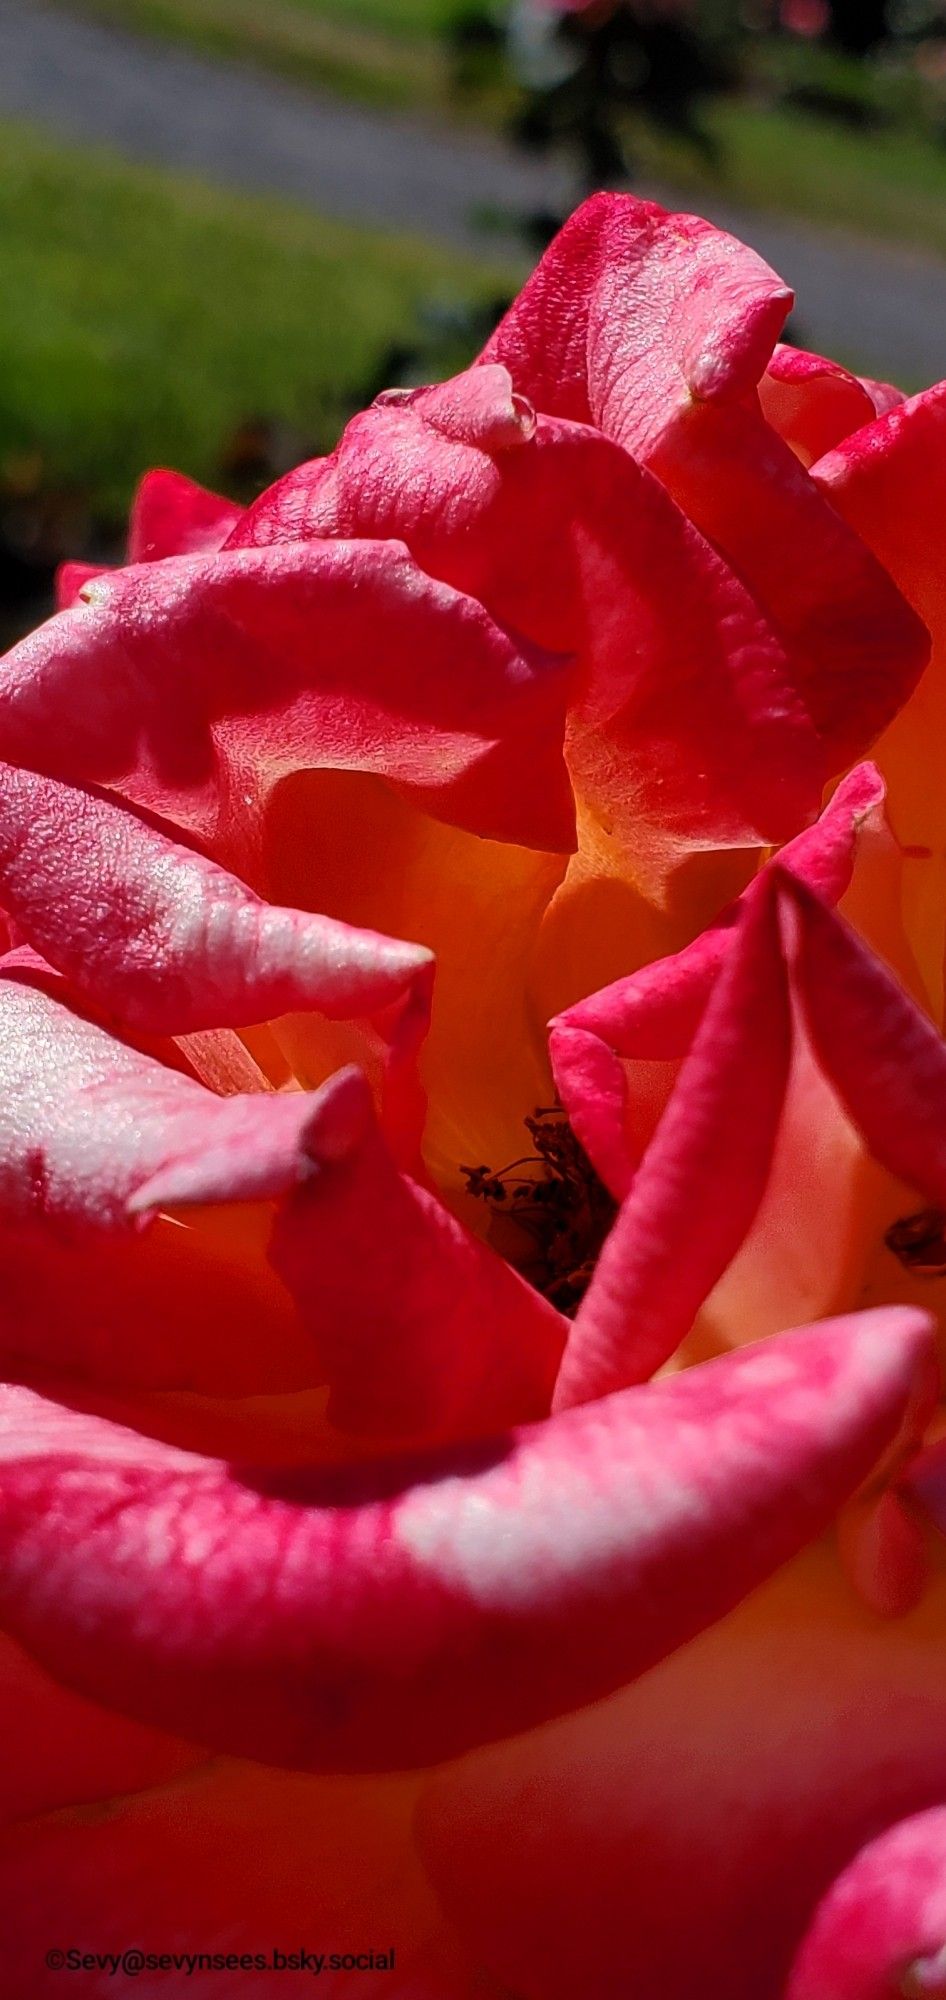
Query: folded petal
x=418, y=1328
x=881, y=1928
x=813, y=403
x=884, y=395
x=194, y=684
x=422, y=1330
x=857, y=648
x=701, y=1180
x=881, y=1053
x=119, y=1134
x=95, y=1136
x=657, y=328
x=684, y=1833
x=888, y=482
x=165, y=942
x=604, y=1048
x=634, y=310
x=172, y=516
x=393, y=1614
x=476, y=904
x=685, y=729
x=825, y=1234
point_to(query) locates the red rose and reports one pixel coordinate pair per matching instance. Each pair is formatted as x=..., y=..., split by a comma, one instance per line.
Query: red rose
x=355, y=1426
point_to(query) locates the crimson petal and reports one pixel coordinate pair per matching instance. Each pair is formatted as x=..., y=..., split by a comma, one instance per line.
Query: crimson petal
x=196, y=683
x=395, y=1614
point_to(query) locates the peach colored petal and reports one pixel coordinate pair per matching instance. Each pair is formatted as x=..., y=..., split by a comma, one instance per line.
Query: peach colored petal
x=684, y=1832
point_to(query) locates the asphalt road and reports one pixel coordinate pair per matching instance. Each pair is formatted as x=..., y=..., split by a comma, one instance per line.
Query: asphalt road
x=881, y=307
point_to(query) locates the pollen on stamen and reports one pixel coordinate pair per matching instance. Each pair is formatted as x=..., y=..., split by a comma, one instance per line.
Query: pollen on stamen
x=551, y=1211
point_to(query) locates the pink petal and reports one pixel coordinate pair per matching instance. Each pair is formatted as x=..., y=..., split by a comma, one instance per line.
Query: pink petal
x=419, y=1329
x=685, y=728
x=888, y=482
x=122, y=1135
x=657, y=328
x=635, y=310
x=883, y=1546
x=169, y=940
x=173, y=516
x=857, y=648
x=700, y=1182
x=422, y=1331
x=813, y=403
x=167, y=943
x=195, y=684
x=71, y=579
x=884, y=395
x=392, y=1615
x=881, y=1929
x=883, y=1056
x=94, y=1136
x=817, y=1227
x=653, y=1015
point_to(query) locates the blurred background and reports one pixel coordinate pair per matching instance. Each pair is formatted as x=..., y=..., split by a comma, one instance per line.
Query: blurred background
x=226, y=224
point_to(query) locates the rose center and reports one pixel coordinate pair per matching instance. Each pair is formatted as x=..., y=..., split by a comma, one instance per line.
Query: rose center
x=550, y=1211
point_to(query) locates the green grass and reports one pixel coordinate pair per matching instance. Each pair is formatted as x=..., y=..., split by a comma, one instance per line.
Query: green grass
x=397, y=17
x=144, y=318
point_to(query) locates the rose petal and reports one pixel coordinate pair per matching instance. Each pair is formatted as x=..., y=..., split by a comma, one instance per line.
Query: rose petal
x=419, y=1329
x=170, y=516
x=173, y=516
x=683, y=1833
x=652, y=1016
x=881, y=1928
x=635, y=309
x=195, y=684
x=397, y=1613
x=884, y=1058
x=884, y=395
x=701, y=1180
x=685, y=730
x=812, y=403
x=883, y=1546
x=71, y=579
x=656, y=328
x=94, y=1136
x=422, y=1331
x=167, y=943
x=889, y=482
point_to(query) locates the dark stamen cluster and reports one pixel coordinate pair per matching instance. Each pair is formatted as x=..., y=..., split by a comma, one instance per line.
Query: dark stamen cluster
x=557, y=1209
x=920, y=1242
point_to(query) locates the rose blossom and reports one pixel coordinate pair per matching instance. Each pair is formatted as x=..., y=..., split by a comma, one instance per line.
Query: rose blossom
x=511, y=1542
